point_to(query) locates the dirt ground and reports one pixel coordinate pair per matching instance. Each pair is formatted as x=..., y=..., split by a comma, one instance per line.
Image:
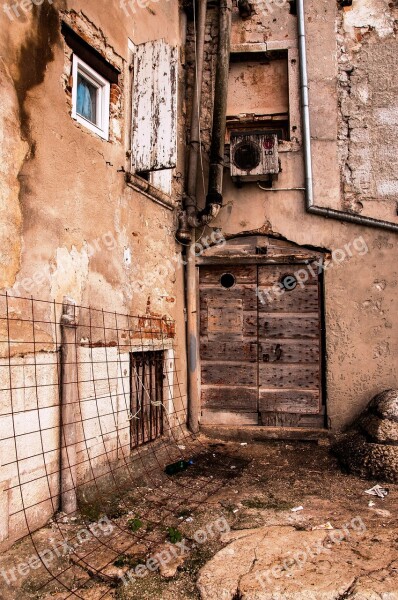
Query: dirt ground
x=231, y=487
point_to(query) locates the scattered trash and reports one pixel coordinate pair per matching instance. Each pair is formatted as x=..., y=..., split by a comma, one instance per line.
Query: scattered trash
x=235, y=510
x=181, y=447
x=371, y=503
x=189, y=520
x=244, y=444
x=327, y=525
x=233, y=467
x=297, y=508
x=382, y=513
x=378, y=491
x=181, y=465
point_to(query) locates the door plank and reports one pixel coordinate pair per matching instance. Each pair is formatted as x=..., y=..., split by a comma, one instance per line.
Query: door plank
x=288, y=327
x=217, y=296
x=299, y=300
x=245, y=351
x=229, y=373
x=222, y=417
x=293, y=377
x=270, y=274
x=242, y=274
x=233, y=398
x=292, y=420
x=249, y=325
x=302, y=401
x=289, y=351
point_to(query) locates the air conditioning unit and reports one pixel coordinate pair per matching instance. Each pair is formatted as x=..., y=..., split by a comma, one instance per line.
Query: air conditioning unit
x=254, y=156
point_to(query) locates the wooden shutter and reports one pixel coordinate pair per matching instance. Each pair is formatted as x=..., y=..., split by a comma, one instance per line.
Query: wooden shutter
x=154, y=135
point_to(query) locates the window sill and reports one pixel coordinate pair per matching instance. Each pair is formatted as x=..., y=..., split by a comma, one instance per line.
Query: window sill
x=139, y=184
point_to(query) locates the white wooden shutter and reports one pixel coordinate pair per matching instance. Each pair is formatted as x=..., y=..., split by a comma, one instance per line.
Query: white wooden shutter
x=154, y=134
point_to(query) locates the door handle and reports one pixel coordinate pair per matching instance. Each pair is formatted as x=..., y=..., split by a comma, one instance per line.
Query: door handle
x=278, y=352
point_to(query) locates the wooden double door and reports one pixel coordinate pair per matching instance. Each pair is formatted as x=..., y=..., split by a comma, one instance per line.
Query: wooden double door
x=260, y=345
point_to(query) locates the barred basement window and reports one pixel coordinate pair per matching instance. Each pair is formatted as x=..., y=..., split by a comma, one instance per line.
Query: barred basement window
x=146, y=396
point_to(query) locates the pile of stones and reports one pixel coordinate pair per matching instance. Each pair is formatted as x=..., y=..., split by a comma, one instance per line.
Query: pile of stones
x=370, y=448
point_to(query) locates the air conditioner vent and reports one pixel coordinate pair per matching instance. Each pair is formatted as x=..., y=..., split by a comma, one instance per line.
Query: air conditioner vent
x=254, y=156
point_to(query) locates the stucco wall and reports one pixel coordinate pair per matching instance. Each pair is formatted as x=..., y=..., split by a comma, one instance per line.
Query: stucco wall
x=70, y=224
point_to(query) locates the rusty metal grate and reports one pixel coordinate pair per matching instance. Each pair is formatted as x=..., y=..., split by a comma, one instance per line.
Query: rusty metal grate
x=146, y=377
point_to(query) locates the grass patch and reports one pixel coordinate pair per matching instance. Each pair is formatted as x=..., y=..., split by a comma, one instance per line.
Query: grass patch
x=113, y=508
x=134, y=524
x=126, y=560
x=174, y=535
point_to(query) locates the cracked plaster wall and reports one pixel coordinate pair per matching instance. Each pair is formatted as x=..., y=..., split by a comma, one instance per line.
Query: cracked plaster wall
x=69, y=224
x=63, y=194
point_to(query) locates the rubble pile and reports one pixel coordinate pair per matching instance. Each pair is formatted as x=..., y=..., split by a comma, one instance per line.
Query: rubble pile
x=370, y=448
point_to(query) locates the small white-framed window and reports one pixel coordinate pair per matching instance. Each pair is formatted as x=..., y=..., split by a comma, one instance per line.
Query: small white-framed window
x=90, y=98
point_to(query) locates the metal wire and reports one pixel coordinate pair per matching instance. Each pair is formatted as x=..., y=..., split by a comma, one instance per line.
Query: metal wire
x=129, y=423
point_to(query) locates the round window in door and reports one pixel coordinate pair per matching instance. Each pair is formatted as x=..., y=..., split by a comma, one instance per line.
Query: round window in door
x=289, y=282
x=227, y=280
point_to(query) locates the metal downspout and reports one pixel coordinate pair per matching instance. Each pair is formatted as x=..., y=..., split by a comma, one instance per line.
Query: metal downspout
x=190, y=198
x=217, y=149
x=309, y=181
x=214, y=196
x=191, y=212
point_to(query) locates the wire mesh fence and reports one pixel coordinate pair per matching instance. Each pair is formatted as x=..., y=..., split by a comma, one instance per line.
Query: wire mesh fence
x=91, y=412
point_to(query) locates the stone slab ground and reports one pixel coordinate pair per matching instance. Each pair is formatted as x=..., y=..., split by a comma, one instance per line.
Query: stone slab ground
x=265, y=551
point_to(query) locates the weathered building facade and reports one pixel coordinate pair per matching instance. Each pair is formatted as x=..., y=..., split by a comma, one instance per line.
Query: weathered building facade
x=77, y=221
x=292, y=321
x=296, y=356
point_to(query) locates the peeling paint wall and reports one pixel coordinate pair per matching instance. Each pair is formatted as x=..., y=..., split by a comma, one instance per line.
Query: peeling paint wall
x=368, y=87
x=12, y=154
x=69, y=222
x=67, y=206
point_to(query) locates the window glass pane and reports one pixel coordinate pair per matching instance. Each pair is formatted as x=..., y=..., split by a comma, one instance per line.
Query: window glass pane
x=86, y=99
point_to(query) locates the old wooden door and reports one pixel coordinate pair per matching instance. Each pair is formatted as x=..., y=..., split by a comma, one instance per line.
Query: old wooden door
x=260, y=329
x=228, y=343
x=289, y=337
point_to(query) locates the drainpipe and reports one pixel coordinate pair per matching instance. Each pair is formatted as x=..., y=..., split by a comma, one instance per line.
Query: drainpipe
x=217, y=149
x=190, y=198
x=191, y=217
x=69, y=407
x=309, y=181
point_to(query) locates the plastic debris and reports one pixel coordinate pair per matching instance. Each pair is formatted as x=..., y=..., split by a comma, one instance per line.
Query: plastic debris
x=233, y=467
x=176, y=467
x=327, y=525
x=181, y=447
x=297, y=508
x=378, y=491
x=371, y=503
x=244, y=444
x=382, y=513
x=189, y=520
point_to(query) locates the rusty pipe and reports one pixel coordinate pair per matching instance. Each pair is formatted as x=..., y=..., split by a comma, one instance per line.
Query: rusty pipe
x=192, y=221
x=216, y=170
x=190, y=200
